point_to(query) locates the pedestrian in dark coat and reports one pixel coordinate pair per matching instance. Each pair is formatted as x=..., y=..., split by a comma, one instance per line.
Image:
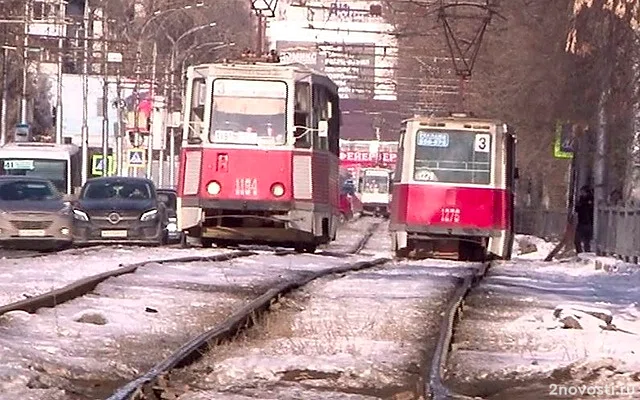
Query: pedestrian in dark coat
x=584, y=226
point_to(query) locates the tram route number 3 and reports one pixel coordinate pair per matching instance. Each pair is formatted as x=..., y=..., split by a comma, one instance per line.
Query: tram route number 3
x=482, y=143
x=450, y=214
x=246, y=187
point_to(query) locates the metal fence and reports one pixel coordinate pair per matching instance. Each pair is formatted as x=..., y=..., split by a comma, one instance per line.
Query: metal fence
x=619, y=232
x=547, y=224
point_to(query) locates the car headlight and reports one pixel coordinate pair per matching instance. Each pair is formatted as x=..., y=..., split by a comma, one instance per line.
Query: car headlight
x=213, y=188
x=80, y=215
x=172, y=227
x=277, y=189
x=149, y=215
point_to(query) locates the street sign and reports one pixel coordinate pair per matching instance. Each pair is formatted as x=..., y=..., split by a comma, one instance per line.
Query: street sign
x=136, y=157
x=97, y=164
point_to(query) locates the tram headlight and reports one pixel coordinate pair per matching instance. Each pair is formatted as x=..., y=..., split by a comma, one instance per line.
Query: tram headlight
x=277, y=189
x=213, y=188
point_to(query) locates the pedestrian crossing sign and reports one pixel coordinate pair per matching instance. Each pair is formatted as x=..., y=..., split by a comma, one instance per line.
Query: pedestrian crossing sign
x=97, y=165
x=136, y=157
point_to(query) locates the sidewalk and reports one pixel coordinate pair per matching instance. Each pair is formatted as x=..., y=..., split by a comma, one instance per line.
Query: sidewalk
x=532, y=327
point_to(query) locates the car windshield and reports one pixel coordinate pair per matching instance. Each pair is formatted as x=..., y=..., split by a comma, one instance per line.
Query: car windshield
x=169, y=199
x=28, y=191
x=104, y=190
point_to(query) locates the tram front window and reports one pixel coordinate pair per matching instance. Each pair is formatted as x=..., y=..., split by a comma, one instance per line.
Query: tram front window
x=375, y=184
x=248, y=112
x=453, y=157
x=53, y=170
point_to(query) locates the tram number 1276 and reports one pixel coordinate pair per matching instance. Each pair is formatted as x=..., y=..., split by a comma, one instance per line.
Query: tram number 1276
x=246, y=187
x=450, y=214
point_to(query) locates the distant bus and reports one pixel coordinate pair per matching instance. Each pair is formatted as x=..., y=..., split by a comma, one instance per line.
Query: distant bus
x=60, y=163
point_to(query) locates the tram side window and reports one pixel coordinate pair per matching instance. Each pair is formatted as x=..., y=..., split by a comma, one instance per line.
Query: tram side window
x=301, y=116
x=320, y=112
x=396, y=176
x=198, y=101
x=334, y=124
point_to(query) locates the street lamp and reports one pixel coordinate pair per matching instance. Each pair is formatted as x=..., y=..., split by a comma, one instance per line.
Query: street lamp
x=264, y=8
x=155, y=16
x=172, y=69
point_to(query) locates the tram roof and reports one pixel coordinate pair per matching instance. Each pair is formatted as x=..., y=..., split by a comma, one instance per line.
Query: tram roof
x=431, y=119
x=280, y=70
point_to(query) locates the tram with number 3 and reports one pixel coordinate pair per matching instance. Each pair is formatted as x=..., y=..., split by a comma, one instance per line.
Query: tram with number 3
x=453, y=189
x=260, y=155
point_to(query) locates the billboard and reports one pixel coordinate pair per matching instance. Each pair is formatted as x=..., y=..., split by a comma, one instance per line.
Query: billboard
x=352, y=67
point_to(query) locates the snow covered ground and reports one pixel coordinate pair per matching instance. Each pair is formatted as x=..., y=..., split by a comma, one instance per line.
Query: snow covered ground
x=93, y=344
x=509, y=345
x=349, y=234
x=24, y=277
x=361, y=336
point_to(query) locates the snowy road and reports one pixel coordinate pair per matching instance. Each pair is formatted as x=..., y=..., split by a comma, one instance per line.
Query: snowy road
x=128, y=323
x=509, y=345
x=28, y=277
x=367, y=335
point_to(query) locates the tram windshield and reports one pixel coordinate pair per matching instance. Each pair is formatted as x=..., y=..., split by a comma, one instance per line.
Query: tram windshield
x=453, y=157
x=53, y=170
x=375, y=183
x=248, y=112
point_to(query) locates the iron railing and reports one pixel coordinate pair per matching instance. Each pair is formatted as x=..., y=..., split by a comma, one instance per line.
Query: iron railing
x=547, y=224
x=618, y=232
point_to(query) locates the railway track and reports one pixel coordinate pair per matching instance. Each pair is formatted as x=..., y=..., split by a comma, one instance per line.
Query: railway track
x=159, y=382
x=78, y=291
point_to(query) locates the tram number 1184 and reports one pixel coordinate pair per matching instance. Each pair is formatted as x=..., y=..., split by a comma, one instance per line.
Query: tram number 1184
x=450, y=214
x=246, y=187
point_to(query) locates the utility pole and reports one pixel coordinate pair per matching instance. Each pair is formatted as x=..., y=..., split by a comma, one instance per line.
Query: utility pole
x=85, y=95
x=154, y=61
x=59, y=113
x=3, y=112
x=105, y=99
x=25, y=62
x=121, y=128
x=172, y=133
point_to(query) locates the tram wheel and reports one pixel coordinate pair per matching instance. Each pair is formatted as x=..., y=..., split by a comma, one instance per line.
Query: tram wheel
x=206, y=243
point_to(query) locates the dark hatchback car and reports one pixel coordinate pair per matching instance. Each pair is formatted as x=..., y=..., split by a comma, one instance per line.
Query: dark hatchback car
x=170, y=199
x=119, y=209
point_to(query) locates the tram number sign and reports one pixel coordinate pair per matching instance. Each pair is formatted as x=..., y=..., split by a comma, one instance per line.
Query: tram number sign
x=482, y=143
x=450, y=214
x=246, y=187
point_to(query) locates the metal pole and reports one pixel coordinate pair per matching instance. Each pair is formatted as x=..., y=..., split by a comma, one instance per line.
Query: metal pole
x=105, y=100
x=121, y=128
x=59, y=94
x=25, y=63
x=172, y=134
x=3, y=112
x=154, y=61
x=85, y=95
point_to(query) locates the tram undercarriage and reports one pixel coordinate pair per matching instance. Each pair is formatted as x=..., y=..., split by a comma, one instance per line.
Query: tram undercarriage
x=450, y=247
x=275, y=228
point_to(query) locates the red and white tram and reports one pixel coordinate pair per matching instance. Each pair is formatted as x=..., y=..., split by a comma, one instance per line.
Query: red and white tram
x=453, y=189
x=260, y=155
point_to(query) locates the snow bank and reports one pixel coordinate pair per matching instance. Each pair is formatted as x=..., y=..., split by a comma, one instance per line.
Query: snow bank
x=509, y=332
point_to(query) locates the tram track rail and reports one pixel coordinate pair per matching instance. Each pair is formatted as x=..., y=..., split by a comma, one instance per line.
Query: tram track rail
x=242, y=319
x=85, y=285
x=436, y=388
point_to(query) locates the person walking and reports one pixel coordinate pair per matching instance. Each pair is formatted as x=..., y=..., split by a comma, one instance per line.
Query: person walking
x=584, y=226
